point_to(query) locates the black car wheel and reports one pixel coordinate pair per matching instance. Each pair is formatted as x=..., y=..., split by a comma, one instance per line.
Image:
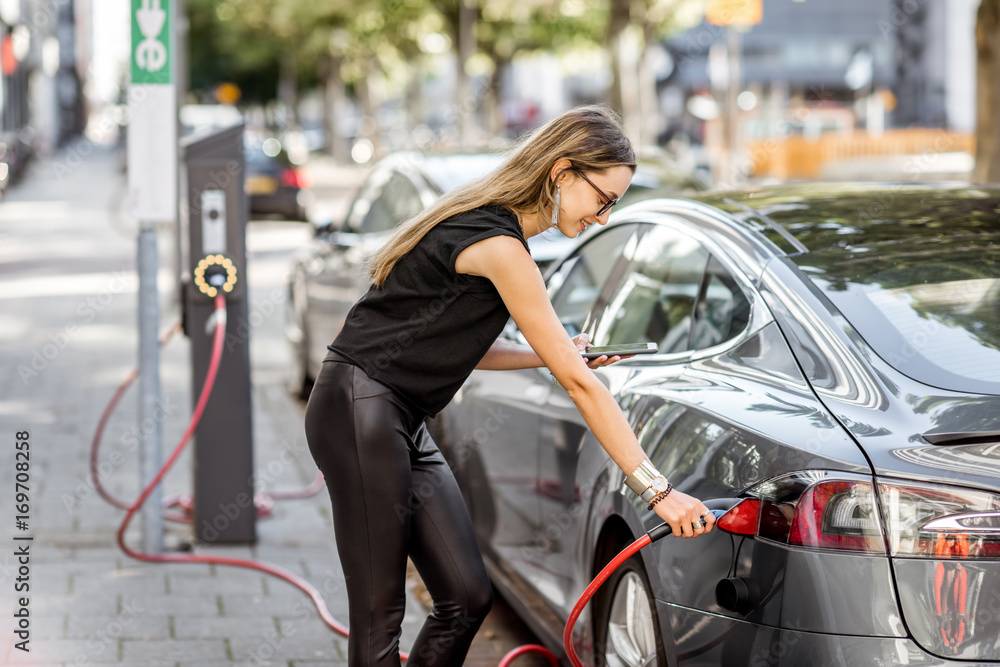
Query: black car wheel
x=626, y=628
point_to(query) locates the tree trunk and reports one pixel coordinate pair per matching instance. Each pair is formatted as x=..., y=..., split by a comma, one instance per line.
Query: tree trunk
x=288, y=74
x=494, y=119
x=651, y=120
x=414, y=97
x=334, y=109
x=465, y=103
x=987, y=93
x=366, y=96
x=617, y=23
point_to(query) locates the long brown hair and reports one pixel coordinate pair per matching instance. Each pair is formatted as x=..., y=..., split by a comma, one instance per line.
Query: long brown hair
x=591, y=137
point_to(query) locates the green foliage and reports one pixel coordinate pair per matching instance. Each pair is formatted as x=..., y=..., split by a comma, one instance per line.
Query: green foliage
x=244, y=41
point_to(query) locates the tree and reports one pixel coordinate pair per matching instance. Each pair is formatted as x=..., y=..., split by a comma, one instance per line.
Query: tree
x=987, y=168
x=633, y=32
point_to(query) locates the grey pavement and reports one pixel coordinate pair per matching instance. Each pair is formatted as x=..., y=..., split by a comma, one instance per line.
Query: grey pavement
x=68, y=337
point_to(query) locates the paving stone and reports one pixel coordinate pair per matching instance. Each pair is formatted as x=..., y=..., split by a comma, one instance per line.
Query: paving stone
x=239, y=580
x=144, y=625
x=85, y=584
x=95, y=603
x=206, y=628
x=54, y=651
x=180, y=605
x=137, y=652
x=272, y=646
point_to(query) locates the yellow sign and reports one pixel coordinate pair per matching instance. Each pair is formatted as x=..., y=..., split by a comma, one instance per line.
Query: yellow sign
x=734, y=12
x=227, y=93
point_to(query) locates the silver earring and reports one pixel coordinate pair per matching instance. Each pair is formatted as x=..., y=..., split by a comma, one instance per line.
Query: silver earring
x=555, y=209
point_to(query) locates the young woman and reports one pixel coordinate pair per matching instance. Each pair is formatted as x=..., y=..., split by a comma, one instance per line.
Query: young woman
x=443, y=289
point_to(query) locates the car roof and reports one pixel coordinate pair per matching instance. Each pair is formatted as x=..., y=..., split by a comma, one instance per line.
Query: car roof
x=444, y=171
x=812, y=218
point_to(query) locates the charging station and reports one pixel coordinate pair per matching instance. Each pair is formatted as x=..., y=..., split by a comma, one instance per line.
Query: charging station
x=215, y=261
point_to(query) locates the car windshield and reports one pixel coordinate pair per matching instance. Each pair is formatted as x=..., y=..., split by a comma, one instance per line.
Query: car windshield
x=930, y=309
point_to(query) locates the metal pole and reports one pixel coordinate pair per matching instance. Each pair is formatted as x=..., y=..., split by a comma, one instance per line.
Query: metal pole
x=179, y=20
x=149, y=389
x=734, y=49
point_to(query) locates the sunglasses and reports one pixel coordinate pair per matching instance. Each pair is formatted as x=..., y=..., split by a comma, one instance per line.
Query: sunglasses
x=608, y=201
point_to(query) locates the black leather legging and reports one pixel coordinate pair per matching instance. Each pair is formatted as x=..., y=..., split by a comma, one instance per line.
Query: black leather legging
x=394, y=496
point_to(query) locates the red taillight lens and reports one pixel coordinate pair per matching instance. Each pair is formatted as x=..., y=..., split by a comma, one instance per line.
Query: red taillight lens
x=838, y=515
x=742, y=518
x=820, y=510
x=295, y=178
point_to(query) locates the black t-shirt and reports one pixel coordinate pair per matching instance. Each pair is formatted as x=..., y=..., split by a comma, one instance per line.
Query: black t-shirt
x=423, y=332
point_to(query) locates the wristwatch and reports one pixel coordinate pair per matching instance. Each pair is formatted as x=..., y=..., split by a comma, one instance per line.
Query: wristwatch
x=646, y=481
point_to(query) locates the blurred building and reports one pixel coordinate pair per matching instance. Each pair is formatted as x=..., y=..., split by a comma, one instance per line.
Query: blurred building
x=912, y=62
x=830, y=79
x=41, y=68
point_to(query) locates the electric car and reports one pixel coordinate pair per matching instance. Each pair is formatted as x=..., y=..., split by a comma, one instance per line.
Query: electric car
x=829, y=354
x=327, y=277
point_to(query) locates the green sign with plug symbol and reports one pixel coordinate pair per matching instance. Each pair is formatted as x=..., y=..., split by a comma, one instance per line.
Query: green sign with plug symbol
x=151, y=41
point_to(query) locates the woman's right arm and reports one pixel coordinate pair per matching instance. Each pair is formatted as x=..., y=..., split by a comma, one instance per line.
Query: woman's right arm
x=505, y=262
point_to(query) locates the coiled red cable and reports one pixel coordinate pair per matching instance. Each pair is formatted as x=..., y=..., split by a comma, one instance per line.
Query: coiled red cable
x=206, y=390
x=263, y=502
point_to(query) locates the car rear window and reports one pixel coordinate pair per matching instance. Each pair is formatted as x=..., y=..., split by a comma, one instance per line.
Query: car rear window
x=931, y=310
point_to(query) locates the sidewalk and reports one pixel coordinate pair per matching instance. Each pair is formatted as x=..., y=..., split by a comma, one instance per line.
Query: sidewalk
x=68, y=292
x=68, y=338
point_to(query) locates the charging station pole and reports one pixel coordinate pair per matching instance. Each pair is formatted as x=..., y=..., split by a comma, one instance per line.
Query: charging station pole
x=152, y=188
x=216, y=205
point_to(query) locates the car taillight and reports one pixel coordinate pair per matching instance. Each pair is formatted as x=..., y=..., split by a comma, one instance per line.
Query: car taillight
x=295, y=178
x=937, y=521
x=815, y=509
x=840, y=511
x=742, y=518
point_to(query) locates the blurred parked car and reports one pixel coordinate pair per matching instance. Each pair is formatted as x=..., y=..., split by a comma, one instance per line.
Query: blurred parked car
x=328, y=276
x=274, y=184
x=830, y=353
x=15, y=153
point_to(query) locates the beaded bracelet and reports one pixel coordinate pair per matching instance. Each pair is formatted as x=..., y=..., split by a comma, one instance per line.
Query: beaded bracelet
x=660, y=496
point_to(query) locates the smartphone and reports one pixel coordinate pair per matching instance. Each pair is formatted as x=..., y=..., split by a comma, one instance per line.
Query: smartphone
x=622, y=350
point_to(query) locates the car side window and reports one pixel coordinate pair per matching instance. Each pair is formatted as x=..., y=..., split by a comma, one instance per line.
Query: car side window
x=656, y=297
x=362, y=205
x=575, y=287
x=398, y=201
x=723, y=309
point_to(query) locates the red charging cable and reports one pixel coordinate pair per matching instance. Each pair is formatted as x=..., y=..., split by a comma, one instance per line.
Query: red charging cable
x=206, y=390
x=295, y=580
x=263, y=502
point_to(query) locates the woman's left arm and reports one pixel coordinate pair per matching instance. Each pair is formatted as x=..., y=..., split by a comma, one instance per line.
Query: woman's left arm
x=505, y=355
